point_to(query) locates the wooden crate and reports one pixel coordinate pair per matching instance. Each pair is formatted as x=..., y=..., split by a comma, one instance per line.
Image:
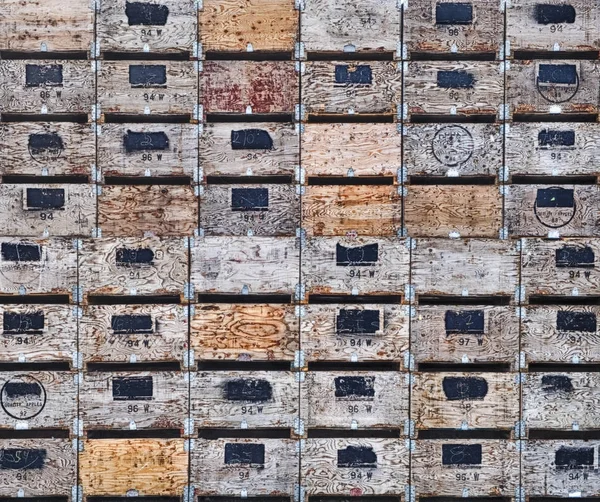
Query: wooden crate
x=447, y=27
x=561, y=401
x=141, y=210
x=250, y=209
x=365, y=466
x=38, y=333
x=347, y=149
x=252, y=466
x=244, y=25
x=249, y=87
x=148, y=87
x=355, y=399
x=363, y=210
x=363, y=265
x=553, y=86
x=465, y=334
x=362, y=87
x=249, y=149
x=346, y=332
x=167, y=27
x=46, y=86
x=48, y=25
x=42, y=210
x=148, y=150
x=256, y=332
x=453, y=211
x=47, y=148
x=453, y=149
x=561, y=468
x=244, y=399
x=133, y=333
x=457, y=87
x=329, y=26
x=252, y=264
x=148, y=466
x=37, y=467
x=552, y=26
x=552, y=210
x=465, y=467
x=38, y=400
x=36, y=266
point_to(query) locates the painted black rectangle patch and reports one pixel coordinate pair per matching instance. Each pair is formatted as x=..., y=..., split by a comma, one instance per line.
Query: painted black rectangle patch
x=453, y=13
x=461, y=454
x=354, y=387
x=244, y=453
x=144, y=141
x=146, y=14
x=132, y=388
x=17, y=389
x=464, y=388
x=43, y=75
x=361, y=256
x=455, y=79
x=568, y=457
x=17, y=323
x=554, y=14
x=567, y=320
x=575, y=256
x=356, y=456
x=555, y=197
x=22, y=459
x=251, y=139
x=128, y=257
x=248, y=389
x=556, y=383
x=153, y=75
x=45, y=143
x=249, y=199
x=465, y=321
x=130, y=324
x=565, y=74
x=552, y=139
x=20, y=251
x=359, y=74
x=45, y=198
x=357, y=322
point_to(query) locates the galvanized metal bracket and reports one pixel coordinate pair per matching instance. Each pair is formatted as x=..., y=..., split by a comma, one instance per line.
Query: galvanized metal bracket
x=299, y=493
x=298, y=426
x=188, y=291
x=409, y=293
x=409, y=428
x=188, y=493
x=299, y=360
x=300, y=292
x=77, y=292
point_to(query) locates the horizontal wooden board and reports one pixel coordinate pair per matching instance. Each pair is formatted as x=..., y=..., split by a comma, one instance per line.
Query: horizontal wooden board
x=366, y=466
x=347, y=332
x=468, y=334
x=249, y=149
x=249, y=87
x=252, y=264
x=260, y=332
x=257, y=209
x=351, y=87
x=149, y=466
x=244, y=399
x=453, y=211
x=253, y=466
x=465, y=467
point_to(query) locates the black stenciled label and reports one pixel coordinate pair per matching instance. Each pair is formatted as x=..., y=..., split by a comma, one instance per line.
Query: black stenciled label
x=23, y=388
x=132, y=388
x=454, y=13
x=359, y=74
x=361, y=256
x=556, y=383
x=555, y=197
x=357, y=322
x=568, y=457
x=244, y=453
x=153, y=75
x=464, y=388
x=248, y=389
x=43, y=75
x=144, y=141
x=18, y=251
x=354, y=388
x=146, y=14
x=251, y=139
x=250, y=199
x=553, y=139
x=357, y=456
x=18, y=323
x=50, y=144
x=567, y=320
x=45, y=198
x=22, y=459
x=575, y=256
x=461, y=454
x=131, y=323
x=558, y=74
x=455, y=79
x=129, y=257
x=464, y=321
x=554, y=14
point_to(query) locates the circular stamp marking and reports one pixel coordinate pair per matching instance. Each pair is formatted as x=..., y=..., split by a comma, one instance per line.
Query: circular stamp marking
x=453, y=145
x=45, y=148
x=554, y=91
x=555, y=207
x=23, y=397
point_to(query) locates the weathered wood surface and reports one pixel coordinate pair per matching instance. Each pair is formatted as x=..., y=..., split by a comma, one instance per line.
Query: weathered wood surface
x=457, y=87
x=552, y=210
x=465, y=267
x=248, y=25
x=357, y=399
x=148, y=150
x=48, y=25
x=250, y=209
x=261, y=332
x=57, y=210
x=561, y=468
x=154, y=87
x=37, y=400
x=328, y=26
x=256, y=466
x=452, y=211
x=149, y=466
x=469, y=334
x=453, y=400
x=166, y=27
x=366, y=332
x=561, y=401
x=47, y=148
x=367, y=265
x=249, y=87
x=130, y=266
x=559, y=25
x=140, y=210
x=249, y=149
x=452, y=149
x=553, y=86
x=465, y=467
x=355, y=467
x=261, y=264
x=349, y=150
x=46, y=86
x=434, y=26
x=363, y=210
x=38, y=333
x=133, y=333
x=38, y=467
x=244, y=399
x=351, y=87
